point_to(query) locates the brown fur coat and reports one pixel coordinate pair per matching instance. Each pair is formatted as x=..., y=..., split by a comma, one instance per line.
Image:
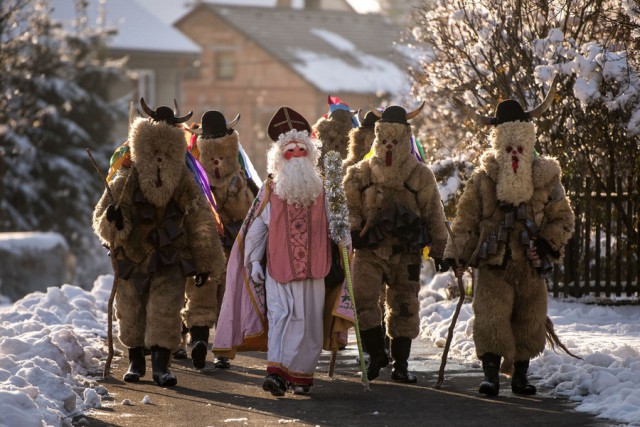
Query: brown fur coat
x=360, y=140
x=479, y=212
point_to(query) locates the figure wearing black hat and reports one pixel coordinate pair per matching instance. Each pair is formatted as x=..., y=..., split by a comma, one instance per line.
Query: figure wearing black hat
x=513, y=220
x=161, y=230
x=361, y=138
x=217, y=148
x=395, y=211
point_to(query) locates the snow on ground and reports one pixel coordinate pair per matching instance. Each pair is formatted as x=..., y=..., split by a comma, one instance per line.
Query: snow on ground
x=52, y=351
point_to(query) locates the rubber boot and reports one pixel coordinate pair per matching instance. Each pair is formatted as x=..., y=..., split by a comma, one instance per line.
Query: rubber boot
x=519, y=382
x=491, y=383
x=374, y=340
x=400, y=350
x=137, y=366
x=160, y=358
x=199, y=340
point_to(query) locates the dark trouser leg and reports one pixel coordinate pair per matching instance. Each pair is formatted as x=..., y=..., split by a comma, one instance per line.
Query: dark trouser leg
x=374, y=340
x=160, y=359
x=519, y=382
x=491, y=383
x=199, y=339
x=137, y=367
x=400, y=350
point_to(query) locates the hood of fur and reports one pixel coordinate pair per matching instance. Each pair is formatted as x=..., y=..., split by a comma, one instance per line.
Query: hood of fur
x=158, y=153
x=545, y=169
x=219, y=154
x=334, y=132
x=360, y=141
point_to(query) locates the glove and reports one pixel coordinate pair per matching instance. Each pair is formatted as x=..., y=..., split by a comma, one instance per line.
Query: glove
x=201, y=279
x=544, y=248
x=442, y=265
x=257, y=274
x=115, y=214
x=357, y=241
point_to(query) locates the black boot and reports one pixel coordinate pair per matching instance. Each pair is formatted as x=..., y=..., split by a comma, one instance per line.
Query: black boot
x=374, y=340
x=137, y=367
x=491, y=383
x=160, y=358
x=400, y=350
x=221, y=362
x=181, y=353
x=519, y=382
x=274, y=384
x=199, y=339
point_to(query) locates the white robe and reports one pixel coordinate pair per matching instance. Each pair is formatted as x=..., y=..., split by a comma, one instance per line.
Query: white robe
x=294, y=311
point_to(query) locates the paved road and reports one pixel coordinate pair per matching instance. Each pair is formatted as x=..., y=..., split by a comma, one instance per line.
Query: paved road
x=234, y=397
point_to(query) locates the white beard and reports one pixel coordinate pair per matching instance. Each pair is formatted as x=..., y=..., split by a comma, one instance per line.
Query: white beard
x=297, y=181
x=513, y=187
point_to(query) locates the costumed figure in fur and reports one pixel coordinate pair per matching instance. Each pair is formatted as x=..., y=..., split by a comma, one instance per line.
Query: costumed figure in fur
x=513, y=220
x=395, y=211
x=361, y=139
x=160, y=229
x=333, y=128
x=217, y=149
x=276, y=298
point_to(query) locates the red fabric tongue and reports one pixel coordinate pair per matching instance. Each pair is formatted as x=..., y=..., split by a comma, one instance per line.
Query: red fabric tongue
x=389, y=158
x=159, y=180
x=514, y=164
x=217, y=173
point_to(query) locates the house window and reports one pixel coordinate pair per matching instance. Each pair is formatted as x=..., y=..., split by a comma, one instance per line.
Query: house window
x=147, y=86
x=225, y=65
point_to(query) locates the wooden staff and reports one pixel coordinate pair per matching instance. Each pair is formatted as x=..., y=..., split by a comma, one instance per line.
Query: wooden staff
x=114, y=265
x=454, y=319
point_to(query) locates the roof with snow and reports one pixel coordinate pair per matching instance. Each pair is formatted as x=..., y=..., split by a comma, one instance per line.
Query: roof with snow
x=137, y=28
x=333, y=50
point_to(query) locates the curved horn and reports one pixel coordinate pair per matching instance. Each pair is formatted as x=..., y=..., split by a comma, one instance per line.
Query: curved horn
x=483, y=120
x=415, y=112
x=183, y=118
x=360, y=116
x=548, y=100
x=373, y=109
x=234, y=121
x=151, y=113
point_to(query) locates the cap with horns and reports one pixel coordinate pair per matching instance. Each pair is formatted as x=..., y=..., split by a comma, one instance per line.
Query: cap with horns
x=164, y=114
x=214, y=125
x=510, y=110
x=285, y=120
x=396, y=114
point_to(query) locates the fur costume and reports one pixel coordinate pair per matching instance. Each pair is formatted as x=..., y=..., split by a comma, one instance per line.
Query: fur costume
x=333, y=131
x=373, y=190
x=219, y=158
x=167, y=233
x=511, y=186
x=361, y=139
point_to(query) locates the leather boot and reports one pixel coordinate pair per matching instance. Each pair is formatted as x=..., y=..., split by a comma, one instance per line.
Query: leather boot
x=519, y=382
x=374, y=340
x=160, y=358
x=137, y=366
x=181, y=353
x=400, y=350
x=491, y=383
x=199, y=339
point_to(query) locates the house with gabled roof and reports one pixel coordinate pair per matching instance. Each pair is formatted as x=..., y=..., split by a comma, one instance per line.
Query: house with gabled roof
x=158, y=56
x=256, y=59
